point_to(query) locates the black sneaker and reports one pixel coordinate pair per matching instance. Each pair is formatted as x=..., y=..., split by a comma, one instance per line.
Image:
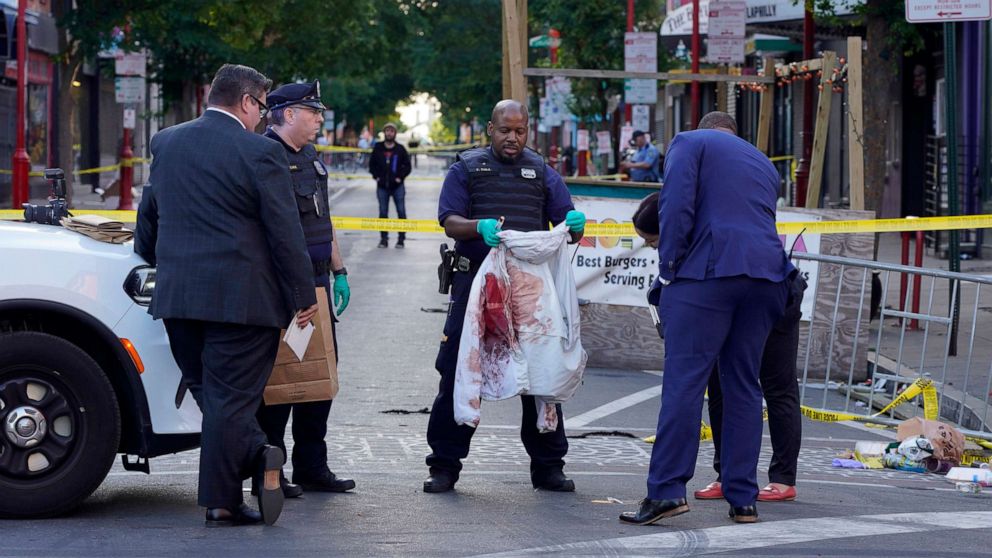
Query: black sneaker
x=383, y=243
x=439, y=481
x=399, y=244
x=325, y=481
x=554, y=481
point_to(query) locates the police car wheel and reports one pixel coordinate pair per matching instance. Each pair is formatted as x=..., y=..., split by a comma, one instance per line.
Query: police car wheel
x=59, y=425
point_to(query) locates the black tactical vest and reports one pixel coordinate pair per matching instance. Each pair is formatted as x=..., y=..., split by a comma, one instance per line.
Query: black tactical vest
x=514, y=190
x=310, y=186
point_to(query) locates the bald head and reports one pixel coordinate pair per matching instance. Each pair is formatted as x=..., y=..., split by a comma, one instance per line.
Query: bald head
x=508, y=129
x=507, y=107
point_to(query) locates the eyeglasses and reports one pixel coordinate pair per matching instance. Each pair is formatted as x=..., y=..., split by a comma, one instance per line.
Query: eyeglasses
x=263, y=109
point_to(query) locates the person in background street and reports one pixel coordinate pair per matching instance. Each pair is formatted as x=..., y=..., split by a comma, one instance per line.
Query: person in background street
x=643, y=166
x=390, y=165
x=726, y=274
x=507, y=180
x=777, y=377
x=296, y=114
x=220, y=225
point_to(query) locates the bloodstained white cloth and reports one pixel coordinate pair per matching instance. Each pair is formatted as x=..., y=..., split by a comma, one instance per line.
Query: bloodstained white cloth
x=521, y=329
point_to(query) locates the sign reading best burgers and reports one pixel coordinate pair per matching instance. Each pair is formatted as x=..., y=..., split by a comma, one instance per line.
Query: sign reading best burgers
x=620, y=271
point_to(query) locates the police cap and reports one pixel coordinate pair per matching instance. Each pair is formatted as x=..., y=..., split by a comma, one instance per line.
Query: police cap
x=306, y=94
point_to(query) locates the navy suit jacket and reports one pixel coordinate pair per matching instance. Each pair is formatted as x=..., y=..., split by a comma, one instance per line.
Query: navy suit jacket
x=717, y=210
x=219, y=221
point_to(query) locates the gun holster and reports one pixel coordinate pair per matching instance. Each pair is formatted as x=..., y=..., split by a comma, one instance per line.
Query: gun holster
x=446, y=270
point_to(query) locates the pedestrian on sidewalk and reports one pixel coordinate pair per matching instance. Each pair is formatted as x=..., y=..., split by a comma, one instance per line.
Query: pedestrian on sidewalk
x=777, y=376
x=726, y=274
x=511, y=181
x=220, y=224
x=390, y=165
x=296, y=114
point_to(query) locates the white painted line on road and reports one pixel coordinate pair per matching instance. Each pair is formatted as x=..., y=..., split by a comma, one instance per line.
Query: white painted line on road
x=612, y=407
x=733, y=538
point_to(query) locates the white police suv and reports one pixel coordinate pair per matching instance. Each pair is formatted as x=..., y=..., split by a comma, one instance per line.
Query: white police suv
x=85, y=373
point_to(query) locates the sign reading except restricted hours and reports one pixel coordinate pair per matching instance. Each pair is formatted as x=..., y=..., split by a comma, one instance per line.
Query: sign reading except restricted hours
x=640, y=55
x=129, y=89
x=929, y=11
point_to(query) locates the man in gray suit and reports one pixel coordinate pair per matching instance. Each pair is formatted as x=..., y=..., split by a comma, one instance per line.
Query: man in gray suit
x=220, y=224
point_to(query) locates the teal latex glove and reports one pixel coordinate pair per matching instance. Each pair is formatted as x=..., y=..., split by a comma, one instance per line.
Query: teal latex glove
x=576, y=221
x=342, y=293
x=489, y=228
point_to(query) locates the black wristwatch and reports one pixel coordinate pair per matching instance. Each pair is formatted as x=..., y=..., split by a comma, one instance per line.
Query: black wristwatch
x=340, y=272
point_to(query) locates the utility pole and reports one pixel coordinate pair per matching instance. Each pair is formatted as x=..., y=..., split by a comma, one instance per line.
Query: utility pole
x=21, y=163
x=694, y=88
x=802, y=171
x=627, y=108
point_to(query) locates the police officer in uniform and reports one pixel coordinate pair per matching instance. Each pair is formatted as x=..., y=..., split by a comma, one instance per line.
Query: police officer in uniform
x=296, y=115
x=510, y=181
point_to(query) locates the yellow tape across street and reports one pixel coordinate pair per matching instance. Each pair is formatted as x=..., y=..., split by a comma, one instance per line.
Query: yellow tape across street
x=625, y=229
x=922, y=386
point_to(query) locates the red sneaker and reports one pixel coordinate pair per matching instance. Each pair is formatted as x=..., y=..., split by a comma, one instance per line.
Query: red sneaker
x=771, y=493
x=713, y=491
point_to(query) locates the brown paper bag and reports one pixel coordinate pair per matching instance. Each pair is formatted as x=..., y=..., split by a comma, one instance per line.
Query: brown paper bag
x=947, y=441
x=316, y=377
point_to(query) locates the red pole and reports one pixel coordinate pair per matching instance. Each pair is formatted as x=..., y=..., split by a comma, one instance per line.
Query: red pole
x=802, y=171
x=553, y=36
x=21, y=163
x=627, y=108
x=127, y=172
x=694, y=91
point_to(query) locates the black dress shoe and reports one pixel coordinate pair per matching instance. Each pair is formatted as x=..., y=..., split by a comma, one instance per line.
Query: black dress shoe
x=325, y=481
x=555, y=481
x=655, y=510
x=744, y=514
x=289, y=490
x=268, y=467
x=439, y=481
x=220, y=517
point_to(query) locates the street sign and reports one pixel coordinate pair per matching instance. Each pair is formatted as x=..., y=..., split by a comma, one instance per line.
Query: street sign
x=130, y=63
x=641, y=117
x=130, y=118
x=727, y=19
x=626, y=134
x=725, y=51
x=582, y=140
x=640, y=91
x=929, y=11
x=603, y=146
x=640, y=52
x=129, y=89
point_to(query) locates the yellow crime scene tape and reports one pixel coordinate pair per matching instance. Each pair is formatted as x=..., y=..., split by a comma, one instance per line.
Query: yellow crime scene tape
x=605, y=230
x=922, y=386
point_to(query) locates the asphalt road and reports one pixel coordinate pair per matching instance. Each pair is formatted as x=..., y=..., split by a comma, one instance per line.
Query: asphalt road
x=388, y=340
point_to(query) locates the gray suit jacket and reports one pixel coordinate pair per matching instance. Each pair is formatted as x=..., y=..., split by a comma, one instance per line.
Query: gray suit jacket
x=220, y=223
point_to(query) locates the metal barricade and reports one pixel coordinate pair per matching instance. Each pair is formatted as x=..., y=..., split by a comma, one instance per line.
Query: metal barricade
x=954, y=310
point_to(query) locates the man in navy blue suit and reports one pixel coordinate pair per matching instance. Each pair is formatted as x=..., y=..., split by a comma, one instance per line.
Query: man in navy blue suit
x=725, y=270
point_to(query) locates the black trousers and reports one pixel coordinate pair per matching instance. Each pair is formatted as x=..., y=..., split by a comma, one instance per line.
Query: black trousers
x=226, y=367
x=309, y=421
x=450, y=441
x=778, y=384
